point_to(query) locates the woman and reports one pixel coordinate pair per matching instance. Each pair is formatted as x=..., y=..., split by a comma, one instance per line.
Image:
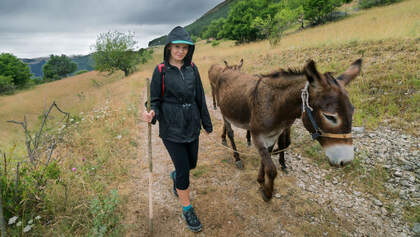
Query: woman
x=178, y=103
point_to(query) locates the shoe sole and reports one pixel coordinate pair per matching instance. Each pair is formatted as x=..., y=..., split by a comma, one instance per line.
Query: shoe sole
x=193, y=229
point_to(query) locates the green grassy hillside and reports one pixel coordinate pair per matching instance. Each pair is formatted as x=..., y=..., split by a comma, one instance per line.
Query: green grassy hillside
x=198, y=26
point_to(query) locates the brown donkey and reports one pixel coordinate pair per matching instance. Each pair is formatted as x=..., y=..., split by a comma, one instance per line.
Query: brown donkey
x=268, y=106
x=215, y=72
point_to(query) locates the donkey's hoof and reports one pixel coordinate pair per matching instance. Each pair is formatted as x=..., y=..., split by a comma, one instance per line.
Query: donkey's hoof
x=224, y=142
x=249, y=144
x=285, y=170
x=215, y=108
x=239, y=165
x=264, y=196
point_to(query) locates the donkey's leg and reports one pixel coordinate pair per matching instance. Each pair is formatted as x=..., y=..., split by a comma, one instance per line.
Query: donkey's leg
x=248, y=137
x=230, y=134
x=214, y=98
x=269, y=170
x=224, y=142
x=283, y=142
x=261, y=175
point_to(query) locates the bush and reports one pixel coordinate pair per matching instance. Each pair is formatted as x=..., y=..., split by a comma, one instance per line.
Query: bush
x=319, y=11
x=372, y=3
x=6, y=85
x=37, y=80
x=105, y=219
x=80, y=72
x=214, y=43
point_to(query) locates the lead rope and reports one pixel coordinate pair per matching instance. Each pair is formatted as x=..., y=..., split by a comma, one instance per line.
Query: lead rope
x=242, y=153
x=305, y=98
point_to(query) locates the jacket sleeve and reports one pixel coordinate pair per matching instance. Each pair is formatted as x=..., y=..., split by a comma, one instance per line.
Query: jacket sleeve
x=155, y=94
x=201, y=102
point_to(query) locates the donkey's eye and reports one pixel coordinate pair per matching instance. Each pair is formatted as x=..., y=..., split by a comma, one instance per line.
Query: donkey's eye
x=331, y=117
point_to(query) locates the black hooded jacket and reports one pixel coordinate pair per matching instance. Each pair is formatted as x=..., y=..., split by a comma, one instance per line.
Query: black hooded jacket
x=182, y=109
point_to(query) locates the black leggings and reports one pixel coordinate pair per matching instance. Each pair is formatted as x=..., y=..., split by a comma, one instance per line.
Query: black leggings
x=184, y=156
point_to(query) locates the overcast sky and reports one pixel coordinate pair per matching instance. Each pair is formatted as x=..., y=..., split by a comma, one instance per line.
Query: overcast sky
x=38, y=28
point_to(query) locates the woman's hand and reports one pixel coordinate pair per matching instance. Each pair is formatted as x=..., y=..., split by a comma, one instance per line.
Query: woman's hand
x=148, y=116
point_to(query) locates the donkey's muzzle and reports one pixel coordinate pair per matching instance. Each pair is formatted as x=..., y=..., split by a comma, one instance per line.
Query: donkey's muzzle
x=340, y=155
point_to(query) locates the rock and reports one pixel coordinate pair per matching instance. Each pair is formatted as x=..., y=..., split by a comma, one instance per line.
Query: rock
x=403, y=195
x=335, y=182
x=416, y=228
x=405, y=183
x=358, y=129
x=411, y=179
x=398, y=173
x=277, y=195
x=415, y=195
x=384, y=211
x=377, y=202
x=357, y=193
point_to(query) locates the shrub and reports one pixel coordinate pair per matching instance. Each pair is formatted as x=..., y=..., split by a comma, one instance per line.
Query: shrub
x=371, y=3
x=214, y=43
x=6, y=85
x=80, y=72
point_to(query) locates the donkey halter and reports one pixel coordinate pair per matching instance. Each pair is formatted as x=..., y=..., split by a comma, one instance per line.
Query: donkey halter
x=318, y=131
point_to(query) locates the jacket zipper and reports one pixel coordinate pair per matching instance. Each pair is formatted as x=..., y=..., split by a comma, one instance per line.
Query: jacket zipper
x=182, y=75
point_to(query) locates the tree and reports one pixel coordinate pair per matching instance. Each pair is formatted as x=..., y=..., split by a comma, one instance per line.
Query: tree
x=12, y=67
x=214, y=28
x=318, y=11
x=115, y=51
x=283, y=20
x=247, y=20
x=58, y=67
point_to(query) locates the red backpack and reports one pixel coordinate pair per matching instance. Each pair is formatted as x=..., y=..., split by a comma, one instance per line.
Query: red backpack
x=162, y=69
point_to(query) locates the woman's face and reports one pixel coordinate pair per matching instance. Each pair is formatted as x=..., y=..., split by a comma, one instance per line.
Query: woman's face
x=178, y=51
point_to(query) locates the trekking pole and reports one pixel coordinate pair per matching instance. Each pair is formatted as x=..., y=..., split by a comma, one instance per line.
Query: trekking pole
x=149, y=144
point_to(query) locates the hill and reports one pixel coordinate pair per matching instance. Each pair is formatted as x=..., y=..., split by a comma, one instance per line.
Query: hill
x=198, y=26
x=105, y=144
x=84, y=62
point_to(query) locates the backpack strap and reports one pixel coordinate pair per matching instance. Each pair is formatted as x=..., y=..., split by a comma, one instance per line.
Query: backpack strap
x=162, y=68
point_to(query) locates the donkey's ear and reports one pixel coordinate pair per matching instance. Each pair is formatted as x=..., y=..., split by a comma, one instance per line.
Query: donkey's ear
x=226, y=63
x=351, y=72
x=312, y=74
x=241, y=62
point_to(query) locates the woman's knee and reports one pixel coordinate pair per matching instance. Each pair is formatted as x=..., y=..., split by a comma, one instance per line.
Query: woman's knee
x=182, y=179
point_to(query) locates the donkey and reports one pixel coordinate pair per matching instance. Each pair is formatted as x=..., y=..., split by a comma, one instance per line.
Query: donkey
x=215, y=72
x=269, y=105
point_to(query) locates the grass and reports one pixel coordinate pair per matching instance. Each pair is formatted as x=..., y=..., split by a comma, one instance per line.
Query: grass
x=105, y=108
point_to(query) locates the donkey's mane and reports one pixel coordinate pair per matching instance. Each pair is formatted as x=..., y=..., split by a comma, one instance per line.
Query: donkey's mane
x=283, y=72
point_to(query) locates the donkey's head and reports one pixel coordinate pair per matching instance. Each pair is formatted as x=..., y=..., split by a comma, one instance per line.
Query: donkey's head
x=328, y=112
x=233, y=67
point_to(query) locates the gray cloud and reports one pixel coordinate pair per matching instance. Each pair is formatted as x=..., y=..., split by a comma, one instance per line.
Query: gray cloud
x=31, y=28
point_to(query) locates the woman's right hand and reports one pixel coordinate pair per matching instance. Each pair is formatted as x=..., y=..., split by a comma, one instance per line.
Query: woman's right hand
x=148, y=116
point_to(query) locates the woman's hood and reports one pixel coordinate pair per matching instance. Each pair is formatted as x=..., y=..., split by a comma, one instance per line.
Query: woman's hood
x=179, y=35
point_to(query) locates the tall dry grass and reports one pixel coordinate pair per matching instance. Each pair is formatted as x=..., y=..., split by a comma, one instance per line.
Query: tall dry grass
x=386, y=37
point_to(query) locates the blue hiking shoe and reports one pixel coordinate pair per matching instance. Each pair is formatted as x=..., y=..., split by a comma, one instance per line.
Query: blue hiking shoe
x=173, y=175
x=193, y=223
